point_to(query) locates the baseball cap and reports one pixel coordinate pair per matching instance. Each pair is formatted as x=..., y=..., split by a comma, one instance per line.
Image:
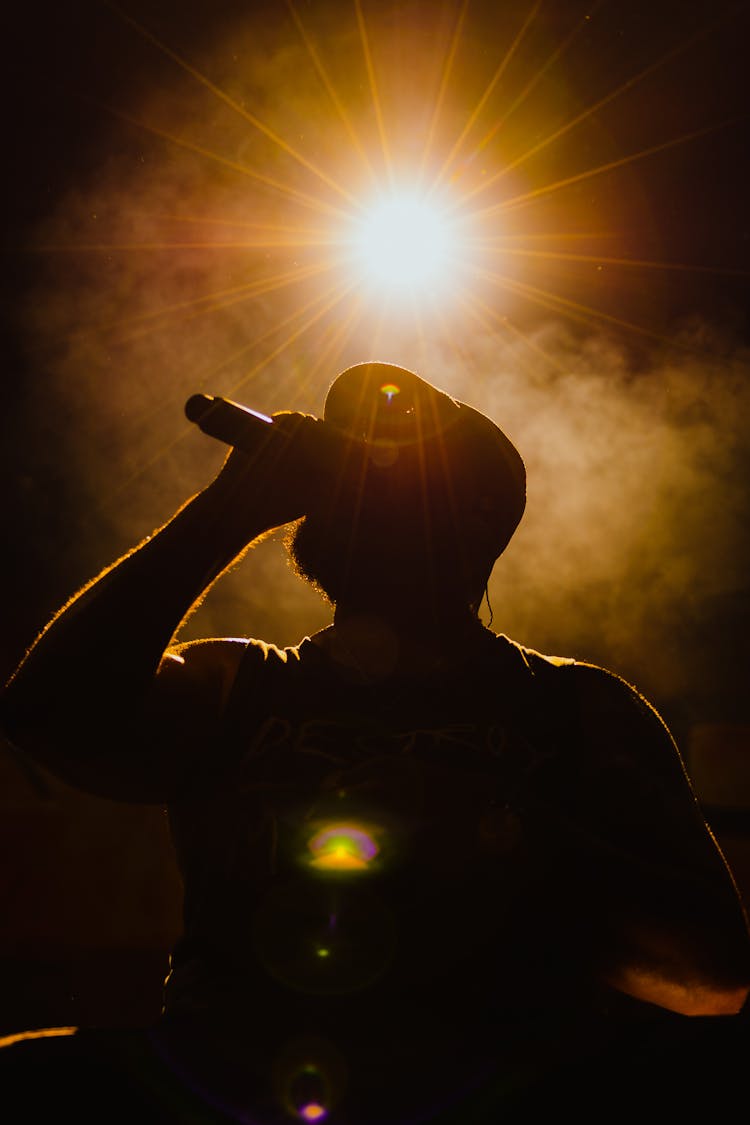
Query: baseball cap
x=407, y=421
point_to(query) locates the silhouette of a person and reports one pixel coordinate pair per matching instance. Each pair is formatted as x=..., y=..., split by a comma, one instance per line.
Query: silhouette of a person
x=430, y=874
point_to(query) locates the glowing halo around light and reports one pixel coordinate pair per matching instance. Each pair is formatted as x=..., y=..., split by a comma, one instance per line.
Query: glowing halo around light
x=404, y=241
x=308, y=186
x=342, y=847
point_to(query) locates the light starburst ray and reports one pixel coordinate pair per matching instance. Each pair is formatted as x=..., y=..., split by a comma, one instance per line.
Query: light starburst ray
x=311, y=201
x=331, y=90
x=209, y=375
x=199, y=306
x=446, y=72
x=536, y=78
x=326, y=303
x=374, y=93
x=474, y=115
x=575, y=310
x=511, y=237
x=546, y=189
x=329, y=352
x=298, y=234
x=222, y=96
x=268, y=285
x=493, y=321
x=589, y=112
x=213, y=244
x=375, y=271
x=600, y=260
x=494, y=324
x=378, y=327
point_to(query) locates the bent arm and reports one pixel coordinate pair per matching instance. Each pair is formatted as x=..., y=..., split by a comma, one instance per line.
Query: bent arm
x=99, y=695
x=673, y=927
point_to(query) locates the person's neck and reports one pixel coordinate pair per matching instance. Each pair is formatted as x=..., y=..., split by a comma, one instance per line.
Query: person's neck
x=379, y=643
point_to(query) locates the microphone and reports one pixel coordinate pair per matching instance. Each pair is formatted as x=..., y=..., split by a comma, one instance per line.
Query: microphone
x=229, y=422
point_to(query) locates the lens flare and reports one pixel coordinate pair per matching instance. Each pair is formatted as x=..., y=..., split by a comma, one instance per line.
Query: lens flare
x=390, y=390
x=403, y=241
x=342, y=847
x=312, y=1112
x=308, y=1093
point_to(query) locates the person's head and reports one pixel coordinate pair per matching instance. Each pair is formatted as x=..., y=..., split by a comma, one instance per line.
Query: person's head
x=429, y=494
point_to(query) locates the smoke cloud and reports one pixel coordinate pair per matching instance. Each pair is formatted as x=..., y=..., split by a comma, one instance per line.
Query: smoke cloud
x=634, y=548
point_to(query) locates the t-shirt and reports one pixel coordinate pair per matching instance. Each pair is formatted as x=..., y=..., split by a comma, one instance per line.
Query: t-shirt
x=401, y=895
x=412, y=867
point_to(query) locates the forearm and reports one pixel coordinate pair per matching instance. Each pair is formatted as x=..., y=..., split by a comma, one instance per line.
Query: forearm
x=670, y=931
x=687, y=999
x=681, y=943
x=671, y=924
x=101, y=651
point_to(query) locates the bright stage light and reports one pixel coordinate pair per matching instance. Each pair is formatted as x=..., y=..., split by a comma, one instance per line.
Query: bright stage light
x=404, y=241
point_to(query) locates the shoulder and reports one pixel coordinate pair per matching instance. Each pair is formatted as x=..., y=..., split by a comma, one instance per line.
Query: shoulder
x=255, y=660
x=609, y=713
x=213, y=664
x=598, y=688
x=261, y=674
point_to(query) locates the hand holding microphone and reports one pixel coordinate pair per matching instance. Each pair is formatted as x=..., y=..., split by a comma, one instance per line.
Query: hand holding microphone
x=229, y=422
x=284, y=460
x=302, y=440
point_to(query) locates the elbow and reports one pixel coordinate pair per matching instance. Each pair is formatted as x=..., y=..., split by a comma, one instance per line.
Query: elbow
x=686, y=998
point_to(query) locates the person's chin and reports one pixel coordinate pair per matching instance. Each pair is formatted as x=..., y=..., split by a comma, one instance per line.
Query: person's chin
x=336, y=561
x=315, y=555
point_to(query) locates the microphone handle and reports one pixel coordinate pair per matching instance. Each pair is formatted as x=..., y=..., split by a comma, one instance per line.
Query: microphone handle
x=229, y=422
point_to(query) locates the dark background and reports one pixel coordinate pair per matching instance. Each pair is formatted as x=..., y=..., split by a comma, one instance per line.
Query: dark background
x=90, y=897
